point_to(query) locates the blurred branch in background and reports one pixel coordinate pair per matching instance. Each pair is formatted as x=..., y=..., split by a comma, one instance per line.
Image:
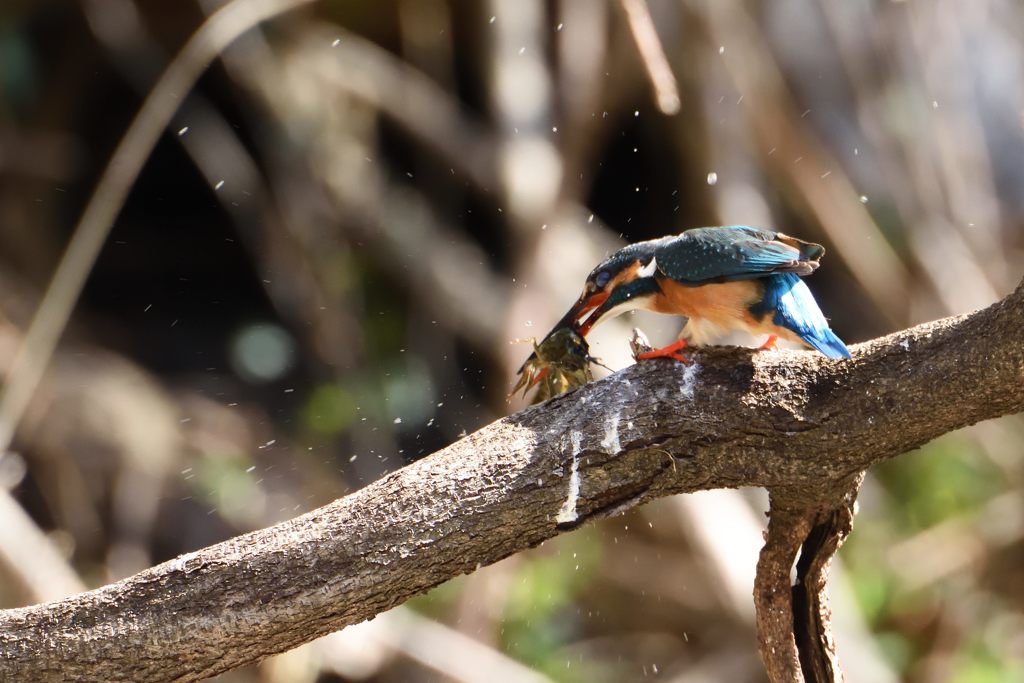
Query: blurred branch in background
x=36, y=348
x=88, y=237
x=31, y=557
x=278, y=239
x=388, y=193
x=642, y=27
x=791, y=151
x=431, y=643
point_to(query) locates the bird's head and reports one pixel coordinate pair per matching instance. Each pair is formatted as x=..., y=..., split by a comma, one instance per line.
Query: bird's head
x=622, y=282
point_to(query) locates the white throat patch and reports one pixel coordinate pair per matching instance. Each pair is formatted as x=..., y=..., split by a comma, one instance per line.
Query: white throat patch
x=649, y=269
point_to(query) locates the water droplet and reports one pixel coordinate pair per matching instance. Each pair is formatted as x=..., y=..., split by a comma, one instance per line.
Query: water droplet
x=863, y=199
x=398, y=420
x=721, y=49
x=712, y=178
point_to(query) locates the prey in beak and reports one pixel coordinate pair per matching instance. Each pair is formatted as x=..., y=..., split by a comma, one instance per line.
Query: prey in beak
x=571, y=321
x=559, y=363
x=620, y=283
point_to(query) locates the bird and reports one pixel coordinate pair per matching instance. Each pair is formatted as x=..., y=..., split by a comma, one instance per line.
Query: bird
x=721, y=279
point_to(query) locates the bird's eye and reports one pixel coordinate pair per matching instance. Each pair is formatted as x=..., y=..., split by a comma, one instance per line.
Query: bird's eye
x=602, y=278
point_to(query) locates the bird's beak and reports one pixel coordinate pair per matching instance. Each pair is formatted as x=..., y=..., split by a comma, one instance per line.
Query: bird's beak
x=594, y=303
x=575, y=316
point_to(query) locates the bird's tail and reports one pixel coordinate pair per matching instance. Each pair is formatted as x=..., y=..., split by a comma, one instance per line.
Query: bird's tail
x=809, y=251
x=796, y=310
x=827, y=342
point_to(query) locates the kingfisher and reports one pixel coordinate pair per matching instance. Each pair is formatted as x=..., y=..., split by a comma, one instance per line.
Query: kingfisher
x=721, y=279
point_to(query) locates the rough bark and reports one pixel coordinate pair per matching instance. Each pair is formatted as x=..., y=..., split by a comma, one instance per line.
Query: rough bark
x=812, y=616
x=773, y=599
x=801, y=425
x=794, y=622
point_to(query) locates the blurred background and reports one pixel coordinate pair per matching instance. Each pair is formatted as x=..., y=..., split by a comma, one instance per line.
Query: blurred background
x=323, y=268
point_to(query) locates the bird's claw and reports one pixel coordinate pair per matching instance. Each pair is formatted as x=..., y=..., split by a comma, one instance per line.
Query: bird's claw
x=661, y=353
x=642, y=349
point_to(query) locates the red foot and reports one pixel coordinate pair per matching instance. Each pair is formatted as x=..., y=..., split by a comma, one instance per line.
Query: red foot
x=770, y=344
x=670, y=351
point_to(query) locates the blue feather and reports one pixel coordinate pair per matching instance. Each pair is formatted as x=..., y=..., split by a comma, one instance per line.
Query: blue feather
x=735, y=252
x=795, y=309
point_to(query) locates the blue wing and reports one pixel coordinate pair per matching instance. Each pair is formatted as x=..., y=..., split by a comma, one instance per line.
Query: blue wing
x=734, y=252
x=795, y=309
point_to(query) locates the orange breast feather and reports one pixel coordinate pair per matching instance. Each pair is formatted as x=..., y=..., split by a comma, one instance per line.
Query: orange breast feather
x=725, y=304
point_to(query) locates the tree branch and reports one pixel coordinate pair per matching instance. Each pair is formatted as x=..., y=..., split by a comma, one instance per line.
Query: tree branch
x=794, y=623
x=812, y=616
x=797, y=423
x=773, y=599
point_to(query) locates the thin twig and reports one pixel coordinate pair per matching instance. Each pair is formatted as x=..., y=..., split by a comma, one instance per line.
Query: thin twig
x=641, y=26
x=432, y=643
x=50, y=319
x=803, y=161
x=28, y=554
